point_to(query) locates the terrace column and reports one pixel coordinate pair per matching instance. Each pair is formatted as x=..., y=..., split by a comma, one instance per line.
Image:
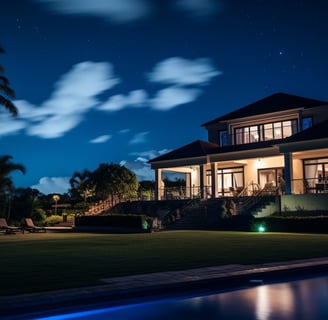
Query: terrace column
x=214, y=179
x=288, y=172
x=188, y=185
x=158, y=184
x=202, y=180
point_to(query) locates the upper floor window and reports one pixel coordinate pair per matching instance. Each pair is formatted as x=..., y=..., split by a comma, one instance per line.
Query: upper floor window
x=306, y=123
x=223, y=138
x=265, y=132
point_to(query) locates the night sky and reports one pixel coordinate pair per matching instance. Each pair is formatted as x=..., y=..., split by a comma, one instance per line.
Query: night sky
x=124, y=81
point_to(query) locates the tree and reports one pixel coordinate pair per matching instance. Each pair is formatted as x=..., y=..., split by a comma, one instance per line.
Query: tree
x=146, y=189
x=7, y=91
x=116, y=181
x=6, y=168
x=82, y=185
x=6, y=183
x=25, y=203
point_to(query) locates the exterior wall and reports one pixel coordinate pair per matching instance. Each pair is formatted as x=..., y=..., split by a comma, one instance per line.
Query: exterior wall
x=250, y=171
x=304, y=202
x=213, y=131
x=195, y=181
x=261, y=163
x=318, y=114
x=297, y=184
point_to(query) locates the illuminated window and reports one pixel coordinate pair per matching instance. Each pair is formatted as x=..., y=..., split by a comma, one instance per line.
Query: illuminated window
x=268, y=132
x=230, y=179
x=316, y=171
x=265, y=132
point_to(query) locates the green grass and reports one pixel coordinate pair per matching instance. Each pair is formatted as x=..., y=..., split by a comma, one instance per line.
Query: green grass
x=37, y=262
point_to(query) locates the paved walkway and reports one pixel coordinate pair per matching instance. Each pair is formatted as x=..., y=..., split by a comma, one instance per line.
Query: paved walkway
x=116, y=290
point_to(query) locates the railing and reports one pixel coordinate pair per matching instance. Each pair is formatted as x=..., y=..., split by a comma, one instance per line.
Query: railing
x=99, y=207
x=179, y=193
x=309, y=186
x=255, y=197
x=298, y=186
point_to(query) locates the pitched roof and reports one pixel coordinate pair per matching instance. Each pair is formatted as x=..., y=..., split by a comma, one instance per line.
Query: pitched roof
x=200, y=148
x=197, y=148
x=274, y=103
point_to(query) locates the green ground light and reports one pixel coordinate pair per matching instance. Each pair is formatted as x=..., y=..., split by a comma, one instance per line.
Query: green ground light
x=261, y=228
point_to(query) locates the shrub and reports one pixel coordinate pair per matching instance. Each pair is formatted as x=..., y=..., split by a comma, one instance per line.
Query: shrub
x=53, y=219
x=309, y=224
x=115, y=221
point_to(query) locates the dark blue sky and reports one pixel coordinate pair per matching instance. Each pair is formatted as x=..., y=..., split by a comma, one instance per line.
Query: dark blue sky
x=124, y=81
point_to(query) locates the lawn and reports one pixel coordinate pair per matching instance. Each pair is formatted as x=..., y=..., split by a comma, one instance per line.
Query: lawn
x=33, y=262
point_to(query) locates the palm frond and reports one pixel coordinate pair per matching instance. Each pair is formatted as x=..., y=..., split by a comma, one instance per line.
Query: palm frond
x=4, y=80
x=7, y=90
x=8, y=105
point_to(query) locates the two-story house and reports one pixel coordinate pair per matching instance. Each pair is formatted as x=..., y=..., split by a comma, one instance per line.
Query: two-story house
x=278, y=144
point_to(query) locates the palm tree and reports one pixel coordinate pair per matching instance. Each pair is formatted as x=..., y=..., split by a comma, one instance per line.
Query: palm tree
x=82, y=185
x=7, y=167
x=4, y=88
x=6, y=183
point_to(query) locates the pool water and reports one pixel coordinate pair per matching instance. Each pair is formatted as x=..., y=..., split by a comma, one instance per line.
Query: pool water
x=301, y=299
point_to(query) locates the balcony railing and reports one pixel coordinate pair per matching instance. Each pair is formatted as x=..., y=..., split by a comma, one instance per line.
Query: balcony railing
x=298, y=186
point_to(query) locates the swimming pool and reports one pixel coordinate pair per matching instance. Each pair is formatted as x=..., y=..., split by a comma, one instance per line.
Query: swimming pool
x=301, y=299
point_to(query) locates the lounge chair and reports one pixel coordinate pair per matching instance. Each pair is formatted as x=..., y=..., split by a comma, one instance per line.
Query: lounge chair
x=8, y=229
x=31, y=227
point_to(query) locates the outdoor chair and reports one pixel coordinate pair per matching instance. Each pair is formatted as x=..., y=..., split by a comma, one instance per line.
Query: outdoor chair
x=8, y=229
x=31, y=227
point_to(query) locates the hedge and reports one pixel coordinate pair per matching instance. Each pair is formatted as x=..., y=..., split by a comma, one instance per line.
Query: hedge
x=113, y=221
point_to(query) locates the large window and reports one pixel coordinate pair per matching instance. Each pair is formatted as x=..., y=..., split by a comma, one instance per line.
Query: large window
x=230, y=180
x=316, y=174
x=270, y=176
x=265, y=132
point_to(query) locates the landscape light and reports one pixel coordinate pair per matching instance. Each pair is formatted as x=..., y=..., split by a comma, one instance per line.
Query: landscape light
x=261, y=228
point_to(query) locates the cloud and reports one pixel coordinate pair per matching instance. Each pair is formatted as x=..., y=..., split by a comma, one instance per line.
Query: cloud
x=49, y=185
x=185, y=79
x=116, y=11
x=55, y=126
x=77, y=91
x=140, y=168
x=124, y=131
x=136, y=98
x=101, y=139
x=86, y=79
x=199, y=8
x=150, y=154
x=138, y=138
x=13, y=125
x=184, y=72
x=171, y=97
x=127, y=11
x=74, y=95
x=140, y=165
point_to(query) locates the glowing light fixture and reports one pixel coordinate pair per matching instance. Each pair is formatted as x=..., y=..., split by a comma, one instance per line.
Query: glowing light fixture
x=261, y=228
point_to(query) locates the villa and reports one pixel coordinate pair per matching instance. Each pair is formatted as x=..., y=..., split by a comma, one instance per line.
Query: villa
x=277, y=145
